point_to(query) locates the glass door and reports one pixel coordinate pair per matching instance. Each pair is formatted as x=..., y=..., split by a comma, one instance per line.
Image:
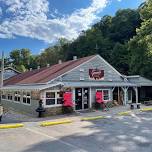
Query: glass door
x=81, y=98
x=78, y=99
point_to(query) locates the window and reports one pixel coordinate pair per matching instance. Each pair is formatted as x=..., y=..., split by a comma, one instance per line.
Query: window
x=106, y=94
x=50, y=98
x=9, y=96
x=17, y=96
x=26, y=97
x=3, y=95
x=54, y=98
x=59, y=97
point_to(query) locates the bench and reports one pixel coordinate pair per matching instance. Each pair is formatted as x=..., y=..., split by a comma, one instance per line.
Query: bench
x=148, y=103
x=133, y=105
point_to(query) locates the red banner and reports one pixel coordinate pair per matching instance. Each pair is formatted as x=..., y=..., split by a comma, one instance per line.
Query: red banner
x=99, y=97
x=67, y=96
x=96, y=74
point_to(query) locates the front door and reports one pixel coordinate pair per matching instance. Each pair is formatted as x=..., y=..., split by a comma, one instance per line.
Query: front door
x=81, y=98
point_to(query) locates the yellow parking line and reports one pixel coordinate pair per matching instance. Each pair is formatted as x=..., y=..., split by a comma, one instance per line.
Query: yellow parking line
x=93, y=118
x=146, y=109
x=8, y=126
x=125, y=113
x=43, y=124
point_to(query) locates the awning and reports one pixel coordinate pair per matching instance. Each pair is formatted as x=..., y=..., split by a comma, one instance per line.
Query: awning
x=37, y=87
x=99, y=84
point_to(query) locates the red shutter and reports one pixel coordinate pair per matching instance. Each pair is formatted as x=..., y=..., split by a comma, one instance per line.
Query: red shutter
x=67, y=96
x=99, y=97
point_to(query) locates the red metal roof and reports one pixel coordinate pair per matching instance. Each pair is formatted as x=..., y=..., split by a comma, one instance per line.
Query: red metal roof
x=45, y=74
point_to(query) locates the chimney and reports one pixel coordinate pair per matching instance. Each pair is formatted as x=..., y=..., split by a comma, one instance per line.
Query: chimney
x=38, y=67
x=31, y=69
x=48, y=65
x=60, y=62
x=74, y=57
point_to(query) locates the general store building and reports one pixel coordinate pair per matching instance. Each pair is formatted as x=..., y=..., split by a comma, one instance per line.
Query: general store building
x=82, y=77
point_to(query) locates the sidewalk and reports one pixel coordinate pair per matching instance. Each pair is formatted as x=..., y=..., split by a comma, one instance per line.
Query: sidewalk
x=13, y=117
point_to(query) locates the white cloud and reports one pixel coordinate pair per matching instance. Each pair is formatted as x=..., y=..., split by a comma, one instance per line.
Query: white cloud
x=29, y=18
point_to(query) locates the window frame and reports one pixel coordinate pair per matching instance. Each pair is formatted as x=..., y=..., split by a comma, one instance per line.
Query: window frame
x=18, y=96
x=9, y=93
x=109, y=93
x=4, y=93
x=26, y=97
x=56, y=97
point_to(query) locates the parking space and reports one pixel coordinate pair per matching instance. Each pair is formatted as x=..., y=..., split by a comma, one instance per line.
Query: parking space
x=119, y=134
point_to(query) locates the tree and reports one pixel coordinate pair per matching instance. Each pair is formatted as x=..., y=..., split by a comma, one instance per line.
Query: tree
x=140, y=46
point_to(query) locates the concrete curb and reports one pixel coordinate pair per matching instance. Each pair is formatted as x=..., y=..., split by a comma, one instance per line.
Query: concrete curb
x=124, y=113
x=92, y=118
x=146, y=109
x=9, y=126
x=51, y=123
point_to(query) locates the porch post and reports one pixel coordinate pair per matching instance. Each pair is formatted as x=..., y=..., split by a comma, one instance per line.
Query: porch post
x=136, y=91
x=125, y=90
x=73, y=97
x=90, y=98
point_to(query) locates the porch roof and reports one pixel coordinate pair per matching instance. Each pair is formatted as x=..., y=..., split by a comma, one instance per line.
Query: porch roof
x=37, y=87
x=98, y=84
x=139, y=80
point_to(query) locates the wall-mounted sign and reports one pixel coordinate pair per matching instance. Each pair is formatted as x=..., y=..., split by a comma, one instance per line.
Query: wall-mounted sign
x=96, y=74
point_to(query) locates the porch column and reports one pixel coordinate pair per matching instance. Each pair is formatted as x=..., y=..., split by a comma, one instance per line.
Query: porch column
x=125, y=90
x=90, y=98
x=136, y=91
x=73, y=96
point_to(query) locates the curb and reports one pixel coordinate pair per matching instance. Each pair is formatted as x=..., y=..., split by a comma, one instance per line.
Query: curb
x=51, y=123
x=125, y=113
x=146, y=109
x=93, y=118
x=9, y=126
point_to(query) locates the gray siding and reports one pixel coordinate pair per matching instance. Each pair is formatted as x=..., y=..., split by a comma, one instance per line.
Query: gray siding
x=109, y=73
x=22, y=108
x=93, y=93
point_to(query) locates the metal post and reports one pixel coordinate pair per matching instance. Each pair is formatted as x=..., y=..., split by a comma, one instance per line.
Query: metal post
x=2, y=71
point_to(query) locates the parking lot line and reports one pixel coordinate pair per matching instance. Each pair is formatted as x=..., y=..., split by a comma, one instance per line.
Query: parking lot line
x=51, y=137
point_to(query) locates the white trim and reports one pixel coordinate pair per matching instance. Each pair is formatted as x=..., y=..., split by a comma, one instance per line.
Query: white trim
x=109, y=94
x=44, y=99
x=109, y=65
x=90, y=98
x=73, y=69
x=26, y=98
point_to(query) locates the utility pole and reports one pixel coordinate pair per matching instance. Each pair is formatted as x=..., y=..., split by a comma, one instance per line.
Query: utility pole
x=2, y=70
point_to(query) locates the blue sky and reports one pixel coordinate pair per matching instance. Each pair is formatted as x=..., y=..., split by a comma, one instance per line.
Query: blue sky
x=37, y=24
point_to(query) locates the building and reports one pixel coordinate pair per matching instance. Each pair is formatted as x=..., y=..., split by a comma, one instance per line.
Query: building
x=10, y=72
x=82, y=77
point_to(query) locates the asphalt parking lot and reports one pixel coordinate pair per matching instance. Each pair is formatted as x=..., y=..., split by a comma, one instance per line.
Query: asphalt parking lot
x=119, y=134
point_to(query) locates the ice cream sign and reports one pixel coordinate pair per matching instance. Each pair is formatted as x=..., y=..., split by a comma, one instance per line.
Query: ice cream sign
x=96, y=74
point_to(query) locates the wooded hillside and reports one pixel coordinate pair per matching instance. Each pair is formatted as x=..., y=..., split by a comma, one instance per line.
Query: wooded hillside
x=124, y=40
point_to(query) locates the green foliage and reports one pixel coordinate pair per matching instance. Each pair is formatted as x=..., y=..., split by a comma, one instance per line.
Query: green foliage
x=140, y=46
x=124, y=40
